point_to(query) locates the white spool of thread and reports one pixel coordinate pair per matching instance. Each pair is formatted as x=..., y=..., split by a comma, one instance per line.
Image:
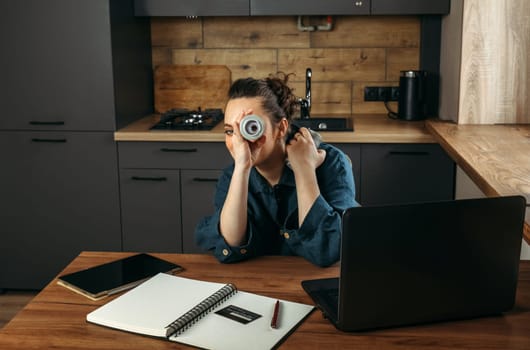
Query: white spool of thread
x=252, y=127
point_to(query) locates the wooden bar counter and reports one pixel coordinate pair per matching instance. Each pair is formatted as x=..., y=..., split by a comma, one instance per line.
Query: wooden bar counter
x=55, y=319
x=495, y=157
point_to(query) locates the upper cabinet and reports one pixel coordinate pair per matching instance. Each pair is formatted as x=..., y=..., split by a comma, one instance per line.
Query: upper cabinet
x=73, y=65
x=289, y=7
x=410, y=7
x=191, y=8
x=309, y=7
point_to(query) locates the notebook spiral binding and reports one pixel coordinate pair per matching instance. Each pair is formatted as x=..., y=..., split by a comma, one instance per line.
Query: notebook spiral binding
x=198, y=311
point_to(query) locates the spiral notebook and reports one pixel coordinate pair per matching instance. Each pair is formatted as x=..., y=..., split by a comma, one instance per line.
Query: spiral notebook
x=202, y=314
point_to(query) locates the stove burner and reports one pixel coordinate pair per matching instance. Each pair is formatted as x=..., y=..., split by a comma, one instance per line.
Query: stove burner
x=184, y=119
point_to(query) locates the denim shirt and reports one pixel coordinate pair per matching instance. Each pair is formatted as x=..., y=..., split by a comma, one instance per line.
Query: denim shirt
x=272, y=225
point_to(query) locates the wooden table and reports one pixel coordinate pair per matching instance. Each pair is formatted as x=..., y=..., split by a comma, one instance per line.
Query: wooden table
x=56, y=317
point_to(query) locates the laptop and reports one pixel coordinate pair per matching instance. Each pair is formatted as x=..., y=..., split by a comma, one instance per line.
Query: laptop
x=424, y=262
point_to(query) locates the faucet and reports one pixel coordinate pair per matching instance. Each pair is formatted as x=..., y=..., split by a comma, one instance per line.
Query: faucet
x=305, y=104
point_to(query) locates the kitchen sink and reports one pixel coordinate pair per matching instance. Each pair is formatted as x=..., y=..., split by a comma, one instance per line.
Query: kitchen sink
x=325, y=123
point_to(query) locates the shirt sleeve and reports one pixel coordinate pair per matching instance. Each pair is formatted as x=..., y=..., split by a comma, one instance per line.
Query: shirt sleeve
x=207, y=233
x=318, y=239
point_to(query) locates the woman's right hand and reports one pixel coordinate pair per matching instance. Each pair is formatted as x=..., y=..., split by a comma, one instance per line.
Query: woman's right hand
x=243, y=151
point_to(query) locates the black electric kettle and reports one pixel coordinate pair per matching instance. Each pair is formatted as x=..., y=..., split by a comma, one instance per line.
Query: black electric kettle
x=412, y=102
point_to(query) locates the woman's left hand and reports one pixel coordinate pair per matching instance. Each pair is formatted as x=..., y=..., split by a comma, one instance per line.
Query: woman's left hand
x=302, y=152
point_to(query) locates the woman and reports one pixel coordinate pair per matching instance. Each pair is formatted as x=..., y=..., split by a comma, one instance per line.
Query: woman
x=266, y=206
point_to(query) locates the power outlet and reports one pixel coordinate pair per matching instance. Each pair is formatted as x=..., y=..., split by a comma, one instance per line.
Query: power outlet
x=394, y=93
x=381, y=93
x=371, y=93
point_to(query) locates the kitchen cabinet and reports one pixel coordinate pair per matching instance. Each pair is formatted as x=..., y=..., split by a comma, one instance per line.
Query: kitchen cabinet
x=401, y=173
x=410, y=7
x=166, y=187
x=59, y=196
x=191, y=8
x=309, y=7
x=150, y=206
x=349, y=7
x=289, y=7
x=74, y=71
x=198, y=189
x=69, y=69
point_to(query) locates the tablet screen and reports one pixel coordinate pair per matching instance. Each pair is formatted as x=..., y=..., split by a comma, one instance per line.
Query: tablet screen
x=105, y=278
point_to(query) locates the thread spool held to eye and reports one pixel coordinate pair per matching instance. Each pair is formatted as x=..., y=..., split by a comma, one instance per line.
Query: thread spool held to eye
x=252, y=127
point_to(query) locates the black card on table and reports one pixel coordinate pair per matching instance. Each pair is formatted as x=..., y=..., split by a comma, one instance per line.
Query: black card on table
x=103, y=280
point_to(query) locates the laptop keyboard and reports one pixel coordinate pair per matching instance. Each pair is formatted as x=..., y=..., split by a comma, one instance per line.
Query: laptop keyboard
x=329, y=302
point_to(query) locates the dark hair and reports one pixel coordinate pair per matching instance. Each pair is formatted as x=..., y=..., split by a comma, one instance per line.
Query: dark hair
x=278, y=98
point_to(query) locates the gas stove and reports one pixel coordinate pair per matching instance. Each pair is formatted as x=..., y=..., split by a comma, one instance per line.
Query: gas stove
x=185, y=119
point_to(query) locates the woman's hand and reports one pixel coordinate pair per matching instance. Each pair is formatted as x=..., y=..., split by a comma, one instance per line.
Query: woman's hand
x=302, y=152
x=304, y=159
x=243, y=151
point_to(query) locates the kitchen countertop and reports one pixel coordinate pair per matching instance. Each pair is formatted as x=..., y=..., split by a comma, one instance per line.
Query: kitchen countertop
x=495, y=157
x=375, y=128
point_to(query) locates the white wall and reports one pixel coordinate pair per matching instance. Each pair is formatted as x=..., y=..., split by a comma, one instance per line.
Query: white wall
x=466, y=188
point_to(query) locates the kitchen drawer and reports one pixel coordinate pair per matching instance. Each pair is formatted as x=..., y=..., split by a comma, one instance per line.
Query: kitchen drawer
x=173, y=155
x=404, y=173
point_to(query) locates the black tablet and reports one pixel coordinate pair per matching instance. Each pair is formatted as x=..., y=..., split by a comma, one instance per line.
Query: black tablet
x=103, y=280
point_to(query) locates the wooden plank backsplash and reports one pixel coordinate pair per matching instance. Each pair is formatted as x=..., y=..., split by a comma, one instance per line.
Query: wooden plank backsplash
x=358, y=52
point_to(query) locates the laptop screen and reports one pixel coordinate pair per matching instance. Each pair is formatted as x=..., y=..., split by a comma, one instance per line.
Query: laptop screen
x=424, y=262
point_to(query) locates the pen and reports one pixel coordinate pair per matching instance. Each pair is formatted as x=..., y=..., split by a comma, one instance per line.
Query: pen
x=275, y=315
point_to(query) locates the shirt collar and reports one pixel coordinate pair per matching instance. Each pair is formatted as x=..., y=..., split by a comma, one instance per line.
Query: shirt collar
x=259, y=184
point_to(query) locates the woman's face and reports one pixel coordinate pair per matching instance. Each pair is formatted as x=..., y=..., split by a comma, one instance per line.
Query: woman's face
x=273, y=135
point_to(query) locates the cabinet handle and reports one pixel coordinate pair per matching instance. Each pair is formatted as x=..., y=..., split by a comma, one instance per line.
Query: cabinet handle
x=34, y=122
x=49, y=140
x=409, y=153
x=181, y=150
x=142, y=178
x=204, y=179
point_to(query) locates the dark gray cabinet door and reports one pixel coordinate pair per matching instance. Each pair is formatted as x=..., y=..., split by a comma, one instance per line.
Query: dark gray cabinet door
x=410, y=7
x=57, y=62
x=191, y=8
x=309, y=7
x=59, y=196
x=353, y=151
x=150, y=200
x=166, y=187
x=401, y=173
x=198, y=190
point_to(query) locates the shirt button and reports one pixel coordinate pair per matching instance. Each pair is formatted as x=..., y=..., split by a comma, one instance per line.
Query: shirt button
x=225, y=252
x=243, y=251
x=286, y=235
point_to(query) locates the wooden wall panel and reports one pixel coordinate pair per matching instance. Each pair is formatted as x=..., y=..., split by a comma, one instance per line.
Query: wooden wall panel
x=243, y=63
x=176, y=32
x=360, y=51
x=334, y=64
x=253, y=32
x=327, y=97
x=398, y=59
x=370, y=31
x=495, y=67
